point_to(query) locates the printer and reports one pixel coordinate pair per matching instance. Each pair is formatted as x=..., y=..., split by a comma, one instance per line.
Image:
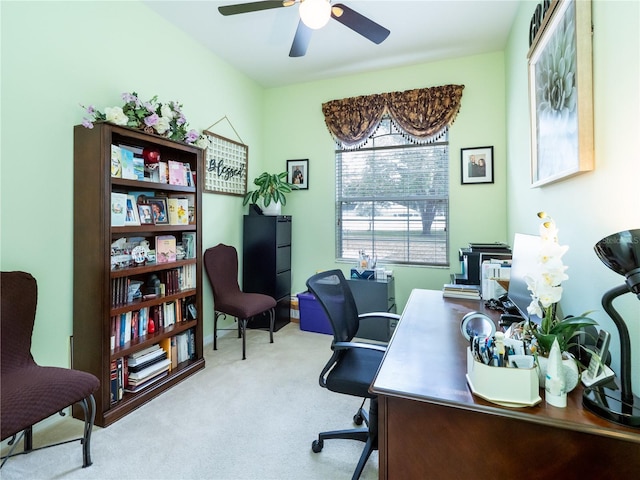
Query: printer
x=472, y=258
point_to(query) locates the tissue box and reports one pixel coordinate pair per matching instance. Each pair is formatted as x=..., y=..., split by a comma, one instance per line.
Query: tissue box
x=510, y=387
x=363, y=274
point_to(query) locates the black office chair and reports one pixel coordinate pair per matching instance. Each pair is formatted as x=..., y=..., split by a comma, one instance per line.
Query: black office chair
x=353, y=365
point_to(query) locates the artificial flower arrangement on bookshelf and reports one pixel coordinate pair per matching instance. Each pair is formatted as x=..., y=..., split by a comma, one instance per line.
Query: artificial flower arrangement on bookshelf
x=164, y=119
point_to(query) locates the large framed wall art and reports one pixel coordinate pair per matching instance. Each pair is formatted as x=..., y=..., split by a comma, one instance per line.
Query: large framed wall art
x=561, y=92
x=226, y=164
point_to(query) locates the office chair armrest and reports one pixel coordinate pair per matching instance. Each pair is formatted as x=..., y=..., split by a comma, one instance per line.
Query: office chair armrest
x=394, y=316
x=369, y=346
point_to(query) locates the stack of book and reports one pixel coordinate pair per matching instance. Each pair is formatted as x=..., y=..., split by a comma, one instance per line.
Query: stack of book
x=454, y=290
x=146, y=367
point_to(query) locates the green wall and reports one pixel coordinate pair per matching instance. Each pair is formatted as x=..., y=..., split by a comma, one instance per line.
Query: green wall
x=294, y=128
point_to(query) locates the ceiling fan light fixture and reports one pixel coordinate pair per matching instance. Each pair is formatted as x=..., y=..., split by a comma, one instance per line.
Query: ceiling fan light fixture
x=315, y=13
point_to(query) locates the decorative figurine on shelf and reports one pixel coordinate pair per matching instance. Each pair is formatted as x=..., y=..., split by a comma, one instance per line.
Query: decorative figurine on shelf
x=153, y=285
x=139, y=255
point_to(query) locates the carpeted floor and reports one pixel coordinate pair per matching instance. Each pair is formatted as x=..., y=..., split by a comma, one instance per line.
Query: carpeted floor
x=252, y=419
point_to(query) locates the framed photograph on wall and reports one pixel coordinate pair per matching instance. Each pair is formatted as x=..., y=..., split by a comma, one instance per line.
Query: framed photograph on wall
x=298, y=173
x=159, y=210
x=561, y=94
x=476, y=165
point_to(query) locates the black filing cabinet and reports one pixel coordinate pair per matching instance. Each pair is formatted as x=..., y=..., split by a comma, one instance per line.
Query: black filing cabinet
x=266, y=262
x=374, y=296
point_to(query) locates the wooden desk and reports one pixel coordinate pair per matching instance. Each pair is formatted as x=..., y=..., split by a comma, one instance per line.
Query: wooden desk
x=431, y=426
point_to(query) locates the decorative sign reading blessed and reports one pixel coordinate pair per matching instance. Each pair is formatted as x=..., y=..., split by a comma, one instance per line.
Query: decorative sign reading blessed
x=226, y=163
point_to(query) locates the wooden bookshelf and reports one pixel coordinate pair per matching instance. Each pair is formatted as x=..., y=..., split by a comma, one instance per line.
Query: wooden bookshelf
x=93, y=276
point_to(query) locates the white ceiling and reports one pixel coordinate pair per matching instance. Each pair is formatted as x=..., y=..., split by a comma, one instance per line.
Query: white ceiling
x=258, y=43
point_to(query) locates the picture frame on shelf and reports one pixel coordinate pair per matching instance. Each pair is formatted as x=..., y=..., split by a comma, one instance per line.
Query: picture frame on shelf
x=146, y=214
x=561, y=124
x=298, y=173
x=131, y=217
x=159, y=210
x=476, y=165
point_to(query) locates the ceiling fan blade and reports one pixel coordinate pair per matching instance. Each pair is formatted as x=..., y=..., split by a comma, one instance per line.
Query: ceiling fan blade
x=252, y=7
x=359, y=23
x=301, y=40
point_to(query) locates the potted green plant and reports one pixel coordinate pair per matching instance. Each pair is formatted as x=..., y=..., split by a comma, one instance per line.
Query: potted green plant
x=272, y=190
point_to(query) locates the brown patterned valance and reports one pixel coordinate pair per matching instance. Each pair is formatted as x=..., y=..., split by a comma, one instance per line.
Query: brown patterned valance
x=421, y=113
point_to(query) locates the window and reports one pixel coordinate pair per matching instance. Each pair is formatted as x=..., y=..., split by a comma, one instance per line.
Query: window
x=392, y=199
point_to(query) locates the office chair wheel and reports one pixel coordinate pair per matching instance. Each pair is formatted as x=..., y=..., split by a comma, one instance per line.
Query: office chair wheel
x=358, y=418
x=317, y=445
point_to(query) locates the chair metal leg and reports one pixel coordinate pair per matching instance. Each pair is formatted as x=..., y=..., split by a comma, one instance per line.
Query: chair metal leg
x=28, y=439
x=89, y=418
x=216, y=315
x=272, y=322
x=13, y=443
x=88, y=406
x=243, y=323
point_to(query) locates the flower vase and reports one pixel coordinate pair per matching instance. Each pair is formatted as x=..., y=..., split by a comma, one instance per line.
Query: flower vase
x=570, y=370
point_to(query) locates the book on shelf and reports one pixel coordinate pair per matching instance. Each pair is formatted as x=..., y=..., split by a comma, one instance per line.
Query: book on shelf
x=113, y=380
x=191, y=206
x=135, y=388
x=163, y=172
x=114, y=333
x=135, y=328
x=116, y=161
x=169, y=314
x=177, y=173
x=118, y=209
x=191, y=182
x=150, y=371
x=143, y=322
x=144, y=351
x=117, y=379
x=165, y=249
x=189, y=244
x=178, y=211
x=128, y=170
x=149, y=360
x=165, y=343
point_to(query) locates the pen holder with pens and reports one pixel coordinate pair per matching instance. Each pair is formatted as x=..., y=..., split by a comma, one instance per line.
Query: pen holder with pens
x=510, y=387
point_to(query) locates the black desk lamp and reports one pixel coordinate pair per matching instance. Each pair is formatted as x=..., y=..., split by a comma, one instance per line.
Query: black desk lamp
x=621, y=253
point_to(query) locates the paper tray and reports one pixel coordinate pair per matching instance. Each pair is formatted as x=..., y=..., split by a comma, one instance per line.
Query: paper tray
x=511, y=387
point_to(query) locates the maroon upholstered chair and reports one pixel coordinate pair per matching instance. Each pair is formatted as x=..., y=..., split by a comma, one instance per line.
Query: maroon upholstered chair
x=221, y=264
x=30, y=393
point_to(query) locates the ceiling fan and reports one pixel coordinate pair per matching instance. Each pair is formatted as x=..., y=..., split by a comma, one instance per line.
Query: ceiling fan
x=315, y=14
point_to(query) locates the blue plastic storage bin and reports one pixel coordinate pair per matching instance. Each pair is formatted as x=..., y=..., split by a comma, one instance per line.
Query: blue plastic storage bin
x=312, y=316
